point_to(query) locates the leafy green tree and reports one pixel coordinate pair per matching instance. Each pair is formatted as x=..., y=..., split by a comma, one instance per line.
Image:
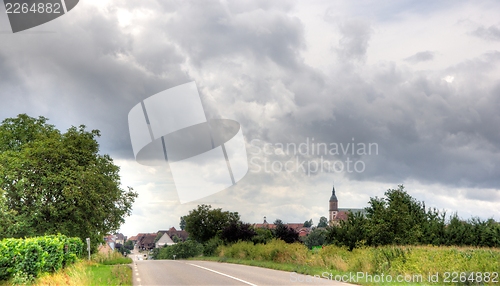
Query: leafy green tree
x=350, y=233
x=236, y=231
x=263, y=236
x=158, y=236
x=316, y=237
x=308, y=223
x=396, y=219
x=176, y=239
x=285, y=233
x=323, y=222
x=9, y=224
x=203, y=223
x=129, y=244
x=58, y=182
x=182, y=224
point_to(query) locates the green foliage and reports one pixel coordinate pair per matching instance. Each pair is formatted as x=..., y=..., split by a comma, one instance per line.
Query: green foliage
x=112, y=258
x=32, y=256
x=57, y=182
x=263, y=236
x=283, y=232
x=390, y=260
x=399, y=219
x=182, y=223
x=323, y=222
x=315, y=238
x=204, y=223
x=237, y=231
x=276, y=250
x=350, y=233
x=181, y=250
x=308, y=223
x=129, y=244
x=210, y=247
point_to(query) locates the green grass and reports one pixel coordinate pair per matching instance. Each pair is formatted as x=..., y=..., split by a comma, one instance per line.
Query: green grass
x=389, y=260
x=110, y=275
x=101, y=270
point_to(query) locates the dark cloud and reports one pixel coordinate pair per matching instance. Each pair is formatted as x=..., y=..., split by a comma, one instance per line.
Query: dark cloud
x=216, y=31
x=248, y=60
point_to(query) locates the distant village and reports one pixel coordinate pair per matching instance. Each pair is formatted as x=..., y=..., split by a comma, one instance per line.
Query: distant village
x=149, y=241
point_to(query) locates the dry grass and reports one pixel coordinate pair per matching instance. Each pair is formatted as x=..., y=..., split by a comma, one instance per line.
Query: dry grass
x=393, y=260
x=75, y=275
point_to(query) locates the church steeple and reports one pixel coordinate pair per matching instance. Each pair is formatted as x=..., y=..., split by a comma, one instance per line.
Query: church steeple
x=334, y=208
x=333, y=198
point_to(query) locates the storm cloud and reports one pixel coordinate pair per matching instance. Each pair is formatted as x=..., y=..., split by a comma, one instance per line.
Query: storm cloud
x=289, y=74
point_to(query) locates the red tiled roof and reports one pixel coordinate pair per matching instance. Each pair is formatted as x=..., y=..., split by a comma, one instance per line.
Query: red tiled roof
x=342, y=215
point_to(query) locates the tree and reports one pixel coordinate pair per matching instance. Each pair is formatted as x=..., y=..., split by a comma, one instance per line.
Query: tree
x=308, y=223
x=396, y=219
x=236, y=231
x=9, y=224
x=204, y=223
x=315, y=238
x=158, y=236
x=58, y=182
x=285, y=233
x=263, y=236
x=182, y=224
x=323, y=222
x=129, y=244
x=350, y=233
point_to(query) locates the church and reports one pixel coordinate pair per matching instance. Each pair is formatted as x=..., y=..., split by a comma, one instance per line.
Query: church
x=336, y=214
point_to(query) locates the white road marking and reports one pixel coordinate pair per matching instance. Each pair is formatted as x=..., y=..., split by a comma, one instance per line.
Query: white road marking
x=138, y=279
x=220, y=273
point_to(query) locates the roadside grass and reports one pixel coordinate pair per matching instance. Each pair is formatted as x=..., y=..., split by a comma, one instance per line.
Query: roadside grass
x=110, y=275
x=396, y=261
x=101, y=270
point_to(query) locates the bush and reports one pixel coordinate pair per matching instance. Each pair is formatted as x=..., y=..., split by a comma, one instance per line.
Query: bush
x=189, y=248
x=264, y=235
x=210, y=247
x=21, y=258
x=276, y=250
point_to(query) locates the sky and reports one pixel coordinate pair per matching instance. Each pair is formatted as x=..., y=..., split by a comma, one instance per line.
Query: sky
x=396, y=92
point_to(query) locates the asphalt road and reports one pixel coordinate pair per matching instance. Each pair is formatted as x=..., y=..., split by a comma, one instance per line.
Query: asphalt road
x=190, y=272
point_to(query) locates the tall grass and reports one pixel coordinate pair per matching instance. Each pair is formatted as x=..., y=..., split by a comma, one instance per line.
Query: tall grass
x=393, y=260
x=103, y=269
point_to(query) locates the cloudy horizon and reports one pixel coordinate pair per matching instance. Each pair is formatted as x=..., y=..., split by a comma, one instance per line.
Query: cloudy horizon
x=421, y=81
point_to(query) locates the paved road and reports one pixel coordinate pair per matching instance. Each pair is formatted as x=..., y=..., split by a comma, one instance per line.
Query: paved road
x=190, y=272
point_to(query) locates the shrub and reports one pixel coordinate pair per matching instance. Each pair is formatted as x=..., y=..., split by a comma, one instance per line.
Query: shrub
x=27, y=258
x=210, y=247
x=189, y=248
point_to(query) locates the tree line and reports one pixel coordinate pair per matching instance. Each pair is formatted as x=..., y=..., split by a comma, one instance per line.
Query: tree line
x=400, y=219
x=395, y=219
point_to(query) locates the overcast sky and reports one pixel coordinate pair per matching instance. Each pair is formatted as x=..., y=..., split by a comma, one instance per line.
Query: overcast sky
x=419, y=80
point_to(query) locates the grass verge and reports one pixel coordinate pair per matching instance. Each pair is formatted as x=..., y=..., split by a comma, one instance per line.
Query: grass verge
x=109, y=269
x=418, y=265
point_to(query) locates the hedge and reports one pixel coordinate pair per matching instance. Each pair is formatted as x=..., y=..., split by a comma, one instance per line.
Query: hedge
x=32, y=256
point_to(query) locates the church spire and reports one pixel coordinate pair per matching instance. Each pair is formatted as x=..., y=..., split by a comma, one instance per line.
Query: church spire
x=334, y=205
x=333, y=198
